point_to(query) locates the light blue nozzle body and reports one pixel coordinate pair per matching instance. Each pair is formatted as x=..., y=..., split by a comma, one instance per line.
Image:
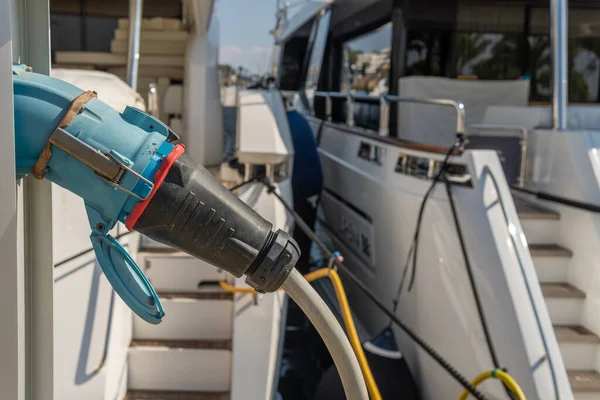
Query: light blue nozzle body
x=135, y=139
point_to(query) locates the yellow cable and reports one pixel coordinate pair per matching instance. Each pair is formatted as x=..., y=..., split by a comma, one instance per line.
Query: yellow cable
x=232, y=289
x=352, y=335
x=348, y=322
x=510, y=383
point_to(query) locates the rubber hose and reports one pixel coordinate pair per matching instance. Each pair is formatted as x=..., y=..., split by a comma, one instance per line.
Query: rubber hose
x=346, y=314
x=350, y=327
x=332, y=333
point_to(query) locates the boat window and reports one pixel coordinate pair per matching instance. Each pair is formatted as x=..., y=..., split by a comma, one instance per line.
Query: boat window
x=317, y=51
x=488, y=55
x=584, y=54
x=488, y=42
x=423, y=54
x=295, y=50
x=494, y=42
x=540, y=55
x=366, y=63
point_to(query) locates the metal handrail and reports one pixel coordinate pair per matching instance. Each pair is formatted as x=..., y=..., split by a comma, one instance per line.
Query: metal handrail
x=133, y=49
x=457, y=105
x=384, y=105
x=487, y=171
x=580, y=205
x=524, y=134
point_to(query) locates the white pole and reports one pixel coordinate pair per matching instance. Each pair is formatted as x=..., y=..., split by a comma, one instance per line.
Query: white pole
x=12, y=340
x=133, y=55
x=560, y=89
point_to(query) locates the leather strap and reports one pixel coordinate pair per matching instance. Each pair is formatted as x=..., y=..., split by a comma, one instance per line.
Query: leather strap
x=39, y=169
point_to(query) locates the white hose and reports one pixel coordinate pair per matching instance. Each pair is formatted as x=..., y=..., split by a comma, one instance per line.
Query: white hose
x=332, y=333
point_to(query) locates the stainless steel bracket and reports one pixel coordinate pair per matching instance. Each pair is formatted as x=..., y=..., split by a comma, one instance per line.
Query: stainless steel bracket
x=108, y=167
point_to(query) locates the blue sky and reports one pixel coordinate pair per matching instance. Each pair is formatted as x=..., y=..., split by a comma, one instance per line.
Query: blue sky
x=245, y=38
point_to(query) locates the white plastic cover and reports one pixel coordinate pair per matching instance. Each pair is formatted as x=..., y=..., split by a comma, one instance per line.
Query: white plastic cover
x=434, y=124
x=173, y=100
x=263, y=132
x=110, y=88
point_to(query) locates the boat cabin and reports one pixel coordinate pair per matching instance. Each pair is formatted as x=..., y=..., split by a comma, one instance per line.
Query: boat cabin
x=506, y=253
x=375, y=47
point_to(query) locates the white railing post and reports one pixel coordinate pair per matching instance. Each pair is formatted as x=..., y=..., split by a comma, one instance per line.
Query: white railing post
x=384, y=116
x=350, y=110
x=328, y=107
x=560, y=70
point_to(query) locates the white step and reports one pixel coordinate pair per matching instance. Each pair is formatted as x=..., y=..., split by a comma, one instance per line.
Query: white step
x=551, y=269
x=578, y=346
x=174, y=395
x=564, y=311
x=564, y=303
x=540, y=230
x=207, y=315
x=585, y=384
x=179, y=272
x=539, y=224
x=551, y=262
x=586, y=395
x=180, y=365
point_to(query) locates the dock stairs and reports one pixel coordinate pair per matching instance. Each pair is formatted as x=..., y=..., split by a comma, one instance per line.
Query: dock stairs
x=189, y=355
x=579, y=346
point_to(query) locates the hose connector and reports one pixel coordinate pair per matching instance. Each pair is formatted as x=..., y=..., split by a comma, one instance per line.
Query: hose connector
x=274, y=263
x=190, y=210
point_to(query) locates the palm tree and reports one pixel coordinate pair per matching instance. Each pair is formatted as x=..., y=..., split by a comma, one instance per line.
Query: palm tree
x=540, y=62
x=470, y=46
x=503, y=61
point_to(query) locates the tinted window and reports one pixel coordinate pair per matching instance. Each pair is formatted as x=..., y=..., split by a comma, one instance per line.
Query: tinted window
x=366, y=64
x=423, y=53
x=293, y=56
x=489, y=42
x=509, y=42
x=583, y=59
x=488, y=55
x=584, y=55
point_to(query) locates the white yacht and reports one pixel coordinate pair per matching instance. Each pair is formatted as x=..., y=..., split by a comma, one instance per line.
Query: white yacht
x=400, y=96
x=504, y=273
x=66, y=335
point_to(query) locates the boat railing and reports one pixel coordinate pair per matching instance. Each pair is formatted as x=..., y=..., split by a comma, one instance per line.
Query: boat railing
x=384, y=102
x=515, y=239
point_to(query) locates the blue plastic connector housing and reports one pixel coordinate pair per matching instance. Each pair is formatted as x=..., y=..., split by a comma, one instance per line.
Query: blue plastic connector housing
x=134, y=138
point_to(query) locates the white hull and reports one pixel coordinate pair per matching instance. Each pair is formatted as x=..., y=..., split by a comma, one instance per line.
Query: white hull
x=369, y=202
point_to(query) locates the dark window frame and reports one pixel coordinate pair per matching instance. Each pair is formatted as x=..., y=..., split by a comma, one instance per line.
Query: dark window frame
x=307, y=50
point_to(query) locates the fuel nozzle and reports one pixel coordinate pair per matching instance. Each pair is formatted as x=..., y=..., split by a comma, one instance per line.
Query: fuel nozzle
x=190, y=210
x=126, y=167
